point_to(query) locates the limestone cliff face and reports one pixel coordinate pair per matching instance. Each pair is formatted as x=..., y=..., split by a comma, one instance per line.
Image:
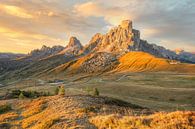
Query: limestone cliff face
x=123, y=39
x=117, y=40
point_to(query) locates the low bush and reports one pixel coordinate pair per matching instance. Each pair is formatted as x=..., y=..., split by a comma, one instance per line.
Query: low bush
x=96, y=92
x=28, y=94
x=5, y=108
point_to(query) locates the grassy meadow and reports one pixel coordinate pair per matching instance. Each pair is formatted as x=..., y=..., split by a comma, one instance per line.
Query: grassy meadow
x=158, y=91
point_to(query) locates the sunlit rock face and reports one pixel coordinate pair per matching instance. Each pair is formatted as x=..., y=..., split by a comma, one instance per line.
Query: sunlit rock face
x=118, y=40
x=73, y=48
x=74, y=42
x=126, y=24
x=124, y=38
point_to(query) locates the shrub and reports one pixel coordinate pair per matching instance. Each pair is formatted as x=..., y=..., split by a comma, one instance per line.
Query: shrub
x=56, y=90
x=27, y=94
x=21, y=96
x=96, y=92
x=15, y=93
x=88, y=90
x=5, y=108
x=61, y=90
x=30, y=94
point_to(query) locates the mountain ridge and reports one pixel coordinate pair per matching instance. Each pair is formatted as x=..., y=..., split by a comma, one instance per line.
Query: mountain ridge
x=103, y=53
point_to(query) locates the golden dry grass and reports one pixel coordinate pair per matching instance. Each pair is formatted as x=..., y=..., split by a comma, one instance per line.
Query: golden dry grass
x=8, y=116
x=141, y=61
x=33, y=108
x=89, y=112
x=144, y=62
x=173, y=120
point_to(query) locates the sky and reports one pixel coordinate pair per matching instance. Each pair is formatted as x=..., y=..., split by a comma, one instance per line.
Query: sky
x=29, y=24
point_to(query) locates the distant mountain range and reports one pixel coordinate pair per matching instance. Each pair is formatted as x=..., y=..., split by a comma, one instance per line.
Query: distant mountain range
x=103, y=53
x=8, y=56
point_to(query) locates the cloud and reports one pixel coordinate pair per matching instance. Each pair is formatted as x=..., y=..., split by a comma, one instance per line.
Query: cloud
x=113, y=15
x=15, y=11
x=37, y=23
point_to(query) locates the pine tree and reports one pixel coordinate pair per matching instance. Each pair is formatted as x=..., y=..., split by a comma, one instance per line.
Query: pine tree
x=62, y=90
x=57, y=90
x=96, y=92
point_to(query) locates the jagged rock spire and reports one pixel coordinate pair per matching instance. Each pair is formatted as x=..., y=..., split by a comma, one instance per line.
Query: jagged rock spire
x=74, y=42
x=126, y=24
x=73, y=48
x=118, y=39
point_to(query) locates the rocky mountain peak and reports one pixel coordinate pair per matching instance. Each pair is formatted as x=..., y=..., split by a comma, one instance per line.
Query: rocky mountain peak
x=126, y=24
x=124, y=38
x=118, y=40
x=74, y=42
x=43, y=52
x=73, y=48
x=44, y=48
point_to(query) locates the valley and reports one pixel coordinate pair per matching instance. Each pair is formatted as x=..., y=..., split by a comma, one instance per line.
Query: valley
x=158, y=90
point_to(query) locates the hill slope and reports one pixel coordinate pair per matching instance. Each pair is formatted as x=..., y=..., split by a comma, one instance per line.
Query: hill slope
x=89, y=112
x=129, y=62
x=144, y=62
x=140, y=61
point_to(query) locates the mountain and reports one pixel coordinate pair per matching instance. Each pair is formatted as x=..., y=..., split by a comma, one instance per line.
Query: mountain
x=187, y=56
x=40, y=61
x=73, y=48
x=123, y=39
x=121, y=49
x=26, y=60
x=44, y=52
x=9, y=56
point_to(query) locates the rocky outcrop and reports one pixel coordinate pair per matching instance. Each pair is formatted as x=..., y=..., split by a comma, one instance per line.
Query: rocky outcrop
x=91, y=63
x=98, y=62
x=73, y=48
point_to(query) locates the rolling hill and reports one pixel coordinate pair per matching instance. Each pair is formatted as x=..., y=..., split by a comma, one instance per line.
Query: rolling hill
x=88, y=112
